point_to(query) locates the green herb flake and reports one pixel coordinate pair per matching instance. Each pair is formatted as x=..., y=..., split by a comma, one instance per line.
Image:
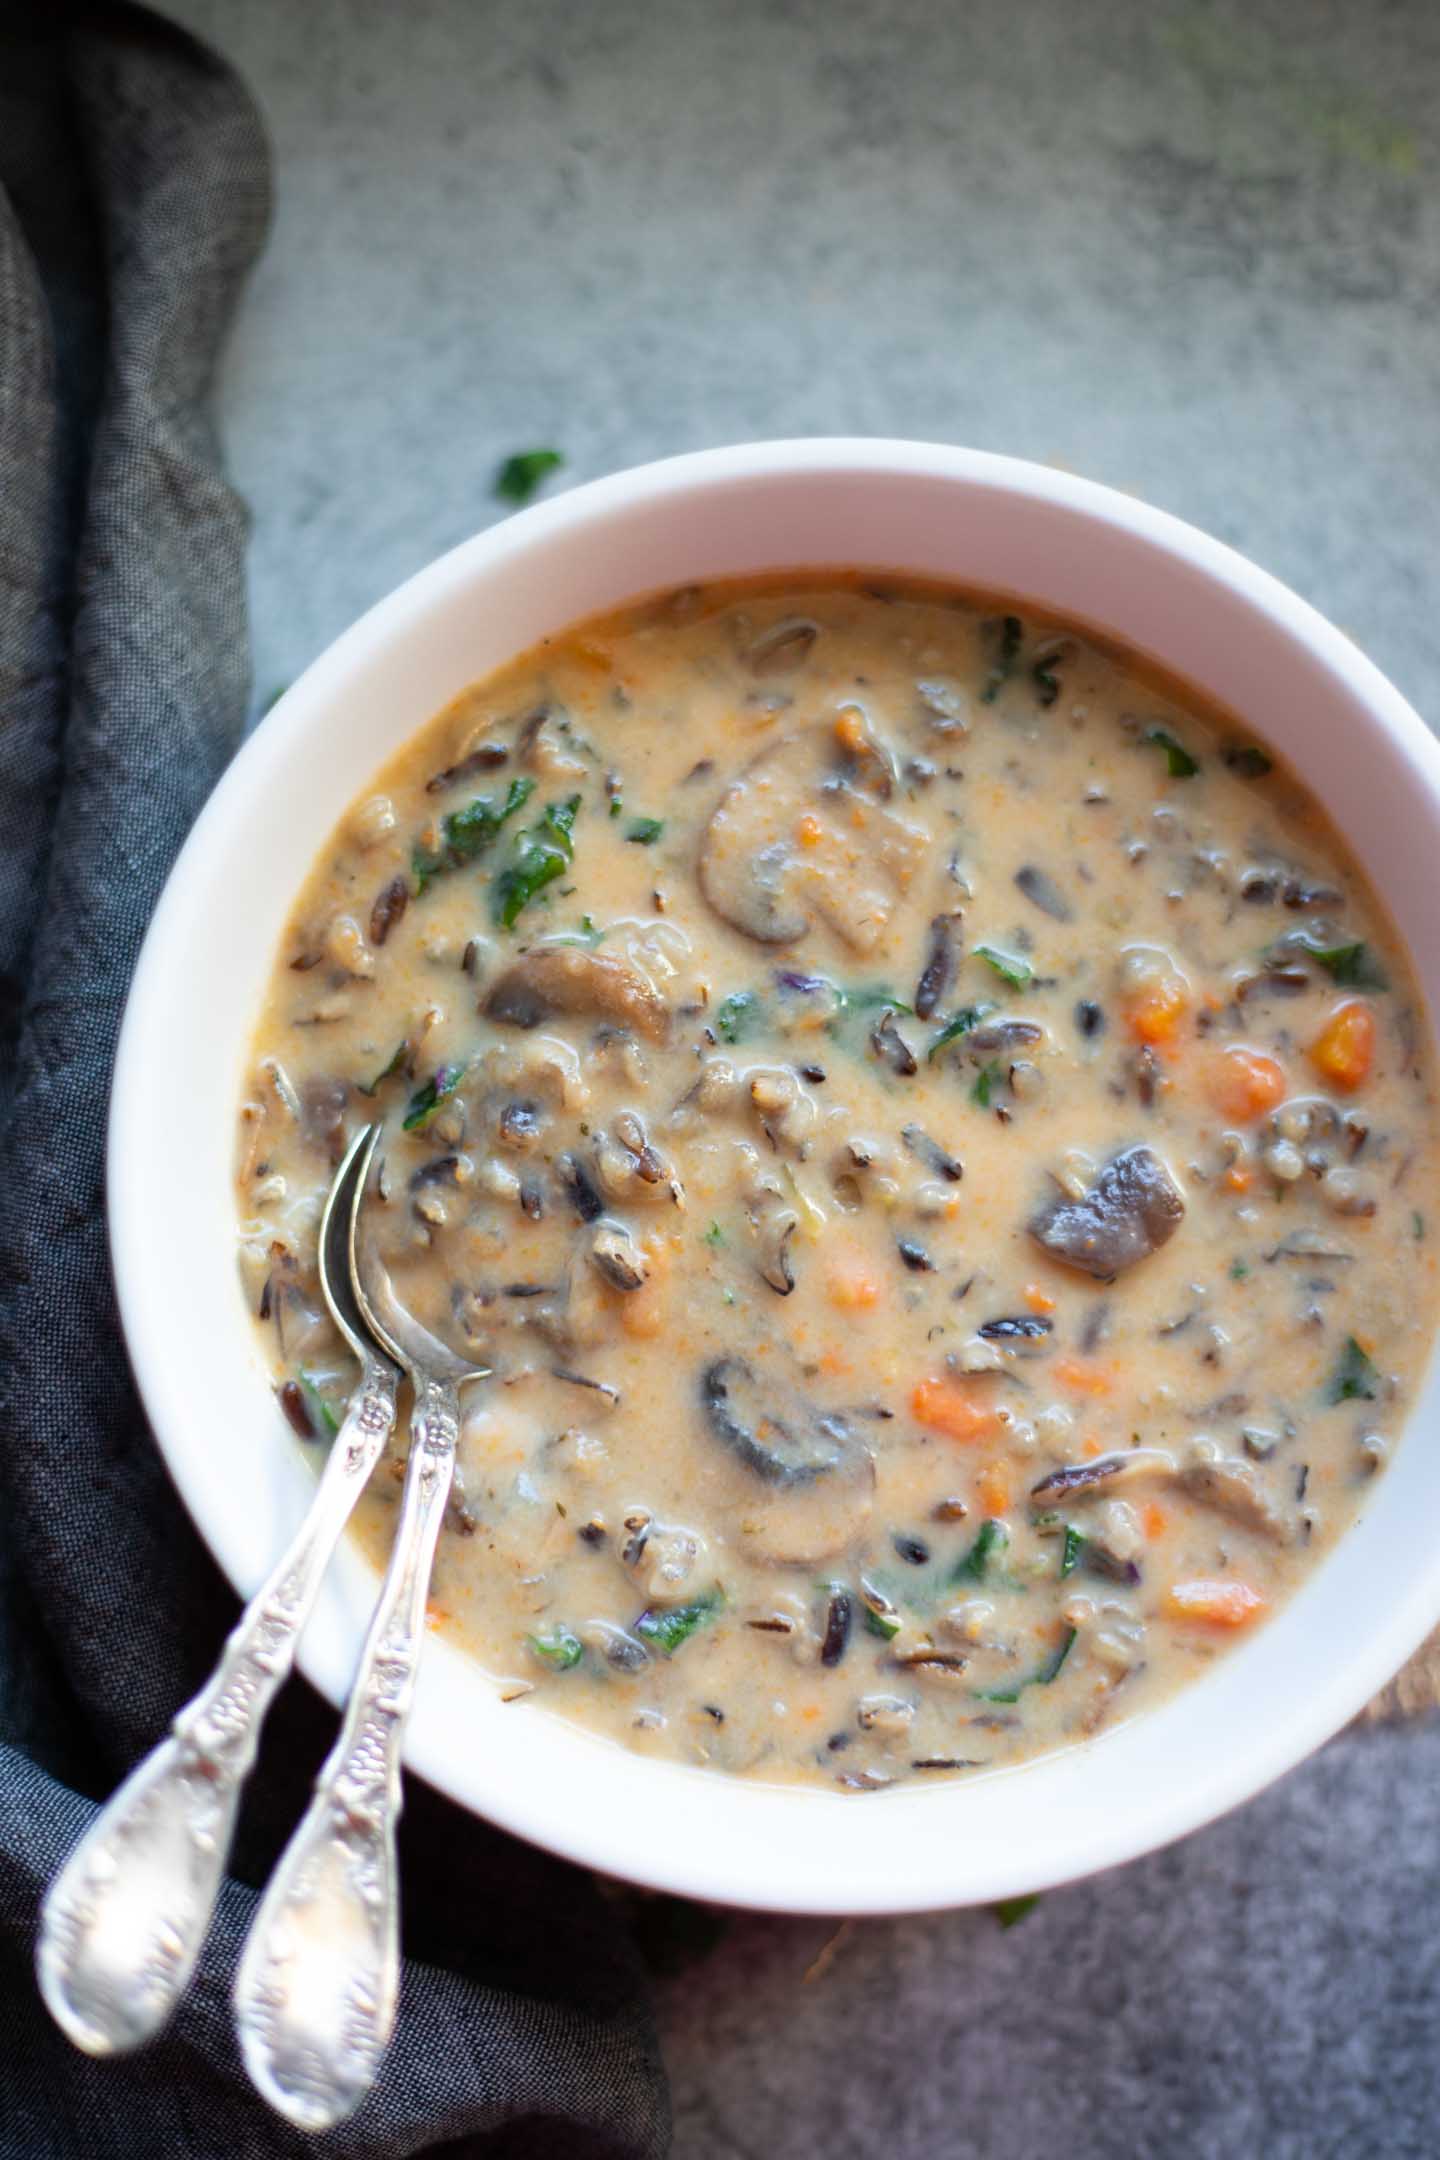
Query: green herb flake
x=1011, y=630
x=669, y=1626
x=1249, y=761
x=1353, y=966
x=1417, y=1225
x=318, y=1405
x=1012, y=1910
x=1072, y=1551
x=884, y=1624
x=737, y=1016
x=1355, y=1378
x=991, y=1543
x=523, y=474
x=466, y=833
x=1046, y=681
x=1179, y=762
x=714, y=1235
x=543, y=853
x=561, y=1649
x=387, y=1072
x=987, y=1080
x=1012, y=968
x=1042, y=1676
x=645, y=831
x=1239, y=1269
x=968, y=1017
x=427, y=1099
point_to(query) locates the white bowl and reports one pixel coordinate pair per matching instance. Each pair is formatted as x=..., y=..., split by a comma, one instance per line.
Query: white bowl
x=1067, y=546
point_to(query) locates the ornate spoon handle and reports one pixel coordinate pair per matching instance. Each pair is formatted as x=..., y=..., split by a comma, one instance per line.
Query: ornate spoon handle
x=125, y=1918
x=315, y=1995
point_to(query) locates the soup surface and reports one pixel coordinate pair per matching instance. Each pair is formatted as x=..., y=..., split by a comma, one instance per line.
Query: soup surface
x=931, y=1131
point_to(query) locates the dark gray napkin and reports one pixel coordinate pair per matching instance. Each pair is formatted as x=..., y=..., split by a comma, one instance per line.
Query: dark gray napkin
x=133, y=198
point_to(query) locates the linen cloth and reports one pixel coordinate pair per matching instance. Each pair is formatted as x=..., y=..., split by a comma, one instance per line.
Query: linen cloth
x=134, y=196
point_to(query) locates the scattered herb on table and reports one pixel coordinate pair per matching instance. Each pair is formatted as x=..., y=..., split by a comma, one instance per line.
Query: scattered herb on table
x=1355, y=1378
x=543, y=853
x=522, y=475
x=1180, y=764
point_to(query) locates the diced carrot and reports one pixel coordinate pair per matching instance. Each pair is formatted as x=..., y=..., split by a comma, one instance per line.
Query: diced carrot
x=1155, y=1015
x=948, y=1406
x=1344, y=1050
x=1091, y=1446
x=1214, y=1604
x=1244, y=1085
x=850, y=1281
x=850, y=730
x=1238, y=1179
x=642, y=1311
x=1083, y=1376
x=808, y=829
x=992, y=1489
x=1038, y=1300
x=810, y=1711
x=1153, y=1519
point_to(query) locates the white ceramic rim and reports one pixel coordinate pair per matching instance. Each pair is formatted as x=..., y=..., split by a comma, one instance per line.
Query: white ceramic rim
x=669, y=1826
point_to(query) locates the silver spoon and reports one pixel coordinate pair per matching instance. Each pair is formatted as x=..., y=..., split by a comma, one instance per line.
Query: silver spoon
x=316, y=1992
x=125, y=1918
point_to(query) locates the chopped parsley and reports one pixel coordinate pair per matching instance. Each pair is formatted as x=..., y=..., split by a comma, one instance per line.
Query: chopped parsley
x=543, y=853
x=737, y=1016
x=1355, y=1378
x=1012, y=968
x=969, y=1016
x=1180, y=764
x=466, y=833
x=427, y=1099
x=645, y=831
x=523, y=474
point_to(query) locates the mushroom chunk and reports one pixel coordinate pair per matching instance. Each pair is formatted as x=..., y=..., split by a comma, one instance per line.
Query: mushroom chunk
x=1232, y=1488
x=851, y=866
x=941, y=961
x=773, y=1431
x=1042, y=892
x=1133, y=1208
x=565, y=979
x=616, y=1256
x=1104, y=1476
x=805, y=1483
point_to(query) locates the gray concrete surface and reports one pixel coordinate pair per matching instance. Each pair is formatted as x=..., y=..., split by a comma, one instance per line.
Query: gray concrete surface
x=1193, y=250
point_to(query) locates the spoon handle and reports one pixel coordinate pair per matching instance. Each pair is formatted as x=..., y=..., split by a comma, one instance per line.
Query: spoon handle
x=315, y=1995
x=124, y=1920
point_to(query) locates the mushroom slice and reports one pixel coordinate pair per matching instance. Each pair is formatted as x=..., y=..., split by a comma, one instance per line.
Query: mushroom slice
x=857, y=860
x=772, y=1429
x=1232, y=1488
x=1131, y=1210
x=616, y=1256
x=566, y=979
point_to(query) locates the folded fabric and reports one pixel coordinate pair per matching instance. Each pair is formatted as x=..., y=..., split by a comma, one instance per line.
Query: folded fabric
x=133, y=198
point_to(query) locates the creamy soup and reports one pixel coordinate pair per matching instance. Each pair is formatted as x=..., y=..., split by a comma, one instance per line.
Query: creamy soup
x=930, y=1129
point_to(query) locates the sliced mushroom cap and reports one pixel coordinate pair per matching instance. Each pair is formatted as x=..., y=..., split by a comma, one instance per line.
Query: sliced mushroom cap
x=857, y=859
x=566, y=979
x=1231, y=1487
x=1133, y=1208
x=771, y=1429
x=1107, y=1474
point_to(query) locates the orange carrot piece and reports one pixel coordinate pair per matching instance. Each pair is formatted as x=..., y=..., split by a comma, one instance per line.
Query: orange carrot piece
x=992, y=1489
x=1083, y=1376
x=1243, y=1085
x=1155, y=1015
x=1153, y=1519
x=1038, y=1300
x=948, y=1406
x=850, y=1281
x=808, y=829
x=1239, y=1179
x=1214, y=1604
x=1344, y=1050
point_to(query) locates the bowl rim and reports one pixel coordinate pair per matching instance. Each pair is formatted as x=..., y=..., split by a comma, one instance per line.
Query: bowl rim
x=771, y=1882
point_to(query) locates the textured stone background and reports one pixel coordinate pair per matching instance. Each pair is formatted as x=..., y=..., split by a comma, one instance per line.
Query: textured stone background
x=1193, y=250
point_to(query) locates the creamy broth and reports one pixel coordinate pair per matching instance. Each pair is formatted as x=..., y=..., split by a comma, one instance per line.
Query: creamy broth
x=933, y=1133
